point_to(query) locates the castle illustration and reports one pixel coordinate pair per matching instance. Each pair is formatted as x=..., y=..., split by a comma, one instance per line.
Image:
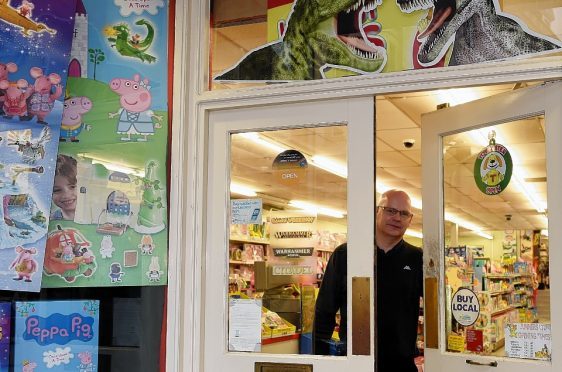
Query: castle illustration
x=78, y=66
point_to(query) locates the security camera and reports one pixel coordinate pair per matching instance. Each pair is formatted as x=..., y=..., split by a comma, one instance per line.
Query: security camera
x=409, y=143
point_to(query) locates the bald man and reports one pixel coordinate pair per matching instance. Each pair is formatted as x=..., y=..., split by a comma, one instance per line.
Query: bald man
x=399, y=288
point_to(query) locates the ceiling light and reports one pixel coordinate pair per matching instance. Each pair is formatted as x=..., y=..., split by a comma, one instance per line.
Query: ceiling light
x=329, y=165
x=260, y=140
x=316, y=209
x=414, y=233
x=241, y=190
x=467, y=225
x=456, y=96
x=119, y=168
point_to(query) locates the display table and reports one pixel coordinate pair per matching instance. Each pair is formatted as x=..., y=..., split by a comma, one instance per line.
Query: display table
x=281, y=345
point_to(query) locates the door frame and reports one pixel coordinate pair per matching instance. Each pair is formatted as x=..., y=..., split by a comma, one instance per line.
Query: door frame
x=192, y=105
x=510, y=106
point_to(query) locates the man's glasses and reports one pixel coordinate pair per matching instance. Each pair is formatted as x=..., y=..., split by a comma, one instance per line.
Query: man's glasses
x=391, y=212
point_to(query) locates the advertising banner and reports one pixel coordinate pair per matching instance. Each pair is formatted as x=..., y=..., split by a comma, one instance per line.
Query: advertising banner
x=109, y=213
x=35, y=42
x=327, y=39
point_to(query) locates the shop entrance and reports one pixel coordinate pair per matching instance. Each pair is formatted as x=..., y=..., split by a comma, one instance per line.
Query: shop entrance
x=298, y=182
x=488, y=301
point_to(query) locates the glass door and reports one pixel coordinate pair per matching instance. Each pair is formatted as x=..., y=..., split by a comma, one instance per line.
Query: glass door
x=491, y=181
x=287, y=185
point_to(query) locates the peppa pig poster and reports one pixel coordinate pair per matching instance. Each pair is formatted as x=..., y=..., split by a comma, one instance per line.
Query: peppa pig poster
x=35, y=44
x=56, y=336
x=109, y=226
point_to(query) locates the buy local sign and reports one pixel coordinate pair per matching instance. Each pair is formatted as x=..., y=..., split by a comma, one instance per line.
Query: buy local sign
x=465, y=307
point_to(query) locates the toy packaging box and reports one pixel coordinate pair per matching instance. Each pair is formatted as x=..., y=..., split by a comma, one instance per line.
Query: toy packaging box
x=56, y=336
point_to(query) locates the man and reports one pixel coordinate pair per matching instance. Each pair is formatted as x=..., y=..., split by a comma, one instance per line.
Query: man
x=399, y=288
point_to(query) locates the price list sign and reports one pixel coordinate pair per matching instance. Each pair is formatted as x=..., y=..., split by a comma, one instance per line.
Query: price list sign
x=528, y=341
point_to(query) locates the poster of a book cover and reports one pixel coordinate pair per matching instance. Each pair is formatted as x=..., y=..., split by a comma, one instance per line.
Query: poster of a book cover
x=56, y=336
x=109, y=212
x=35, y=42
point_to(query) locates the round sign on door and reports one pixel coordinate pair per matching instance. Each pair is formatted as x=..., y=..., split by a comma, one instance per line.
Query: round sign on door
x=465, y=307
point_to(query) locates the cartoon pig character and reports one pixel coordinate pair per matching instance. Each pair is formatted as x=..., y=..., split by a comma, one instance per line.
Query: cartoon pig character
x=43, y=99
x=28, y=366
x=25, y=8
x=5, y=70
x=24, y=264
x=106, y=247
x=14, y=98
x=134, y=114
x=86, y=364
x=72, y=124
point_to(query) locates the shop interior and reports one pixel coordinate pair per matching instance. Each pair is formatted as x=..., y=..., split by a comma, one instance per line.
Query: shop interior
x=495, y=245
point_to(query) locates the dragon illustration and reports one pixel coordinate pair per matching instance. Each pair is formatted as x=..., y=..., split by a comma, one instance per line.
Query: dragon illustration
x=320, y=34
x=20, y=19
x=478, y=30
x=131, y=45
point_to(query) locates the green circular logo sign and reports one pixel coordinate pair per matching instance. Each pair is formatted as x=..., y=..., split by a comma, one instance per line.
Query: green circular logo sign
x=492, y=169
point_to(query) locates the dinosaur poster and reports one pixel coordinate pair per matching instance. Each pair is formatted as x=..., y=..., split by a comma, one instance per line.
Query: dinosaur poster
x=328, y=39
x=109, y=212
x=56, y=336
x=35, y=43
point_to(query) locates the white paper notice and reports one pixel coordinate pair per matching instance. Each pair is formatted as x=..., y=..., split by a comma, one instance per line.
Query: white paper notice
x=246, y=211
x=244, y=326
x=528, y=340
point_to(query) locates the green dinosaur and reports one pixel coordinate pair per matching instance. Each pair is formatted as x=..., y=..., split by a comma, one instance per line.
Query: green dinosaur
x=131, y=46
x=478, y=30
x=311, y=45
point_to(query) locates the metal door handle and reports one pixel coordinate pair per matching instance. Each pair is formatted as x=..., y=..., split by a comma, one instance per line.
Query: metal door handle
x=475, y=363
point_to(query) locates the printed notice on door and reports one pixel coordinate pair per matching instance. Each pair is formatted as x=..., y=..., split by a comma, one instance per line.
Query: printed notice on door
x=528, y=341
x=244, y=331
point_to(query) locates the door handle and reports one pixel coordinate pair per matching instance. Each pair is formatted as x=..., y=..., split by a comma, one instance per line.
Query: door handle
x=475, y=363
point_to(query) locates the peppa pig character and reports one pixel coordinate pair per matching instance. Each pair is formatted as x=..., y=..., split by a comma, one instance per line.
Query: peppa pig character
x=42, y=100
x=146, y=245
x=86, y=364
x=106, y=247
x=14, y=98
x=28, y=366
x=67, y=254
x=115, y=272
x=24, y=264
x=25, y=8
x=5, y=70
x=134, y=114
x=72, y=124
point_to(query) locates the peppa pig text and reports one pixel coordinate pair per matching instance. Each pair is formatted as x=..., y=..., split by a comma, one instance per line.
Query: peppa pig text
x=58, y=329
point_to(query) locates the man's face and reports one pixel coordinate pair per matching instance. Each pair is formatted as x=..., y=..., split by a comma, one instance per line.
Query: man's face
x=396, y=225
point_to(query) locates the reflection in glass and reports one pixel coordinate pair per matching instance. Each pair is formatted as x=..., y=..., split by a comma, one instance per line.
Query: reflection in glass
x=496, y=251
x=288, y=214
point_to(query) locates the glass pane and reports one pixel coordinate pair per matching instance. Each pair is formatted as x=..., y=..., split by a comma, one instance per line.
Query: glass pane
x=496, y=239
x=288, y=214
x=255, y=41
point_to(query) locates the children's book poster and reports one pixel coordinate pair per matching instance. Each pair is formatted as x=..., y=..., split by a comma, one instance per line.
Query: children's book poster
x=109, y=211
x=35, y=43
x=56, y=336
x=5, y=319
